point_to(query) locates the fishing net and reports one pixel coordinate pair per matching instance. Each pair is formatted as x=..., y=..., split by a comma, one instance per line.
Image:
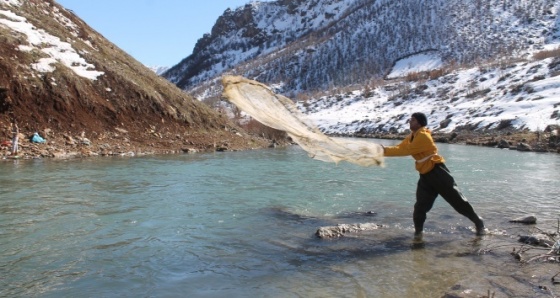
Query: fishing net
x=279, y=112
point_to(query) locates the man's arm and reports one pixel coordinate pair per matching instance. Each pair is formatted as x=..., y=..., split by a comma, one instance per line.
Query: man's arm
x=422, y=143
x=398, y=150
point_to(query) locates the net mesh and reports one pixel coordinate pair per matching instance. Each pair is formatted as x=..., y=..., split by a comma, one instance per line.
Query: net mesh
x=279, y=112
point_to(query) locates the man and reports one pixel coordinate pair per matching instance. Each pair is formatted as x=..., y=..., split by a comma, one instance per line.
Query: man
x=435, y=178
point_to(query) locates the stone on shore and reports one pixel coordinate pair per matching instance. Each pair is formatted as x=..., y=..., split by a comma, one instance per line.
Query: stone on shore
x=524, y=147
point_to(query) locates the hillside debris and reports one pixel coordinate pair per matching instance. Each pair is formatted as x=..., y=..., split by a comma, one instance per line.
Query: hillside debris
x=549, y=240
x=36, y=138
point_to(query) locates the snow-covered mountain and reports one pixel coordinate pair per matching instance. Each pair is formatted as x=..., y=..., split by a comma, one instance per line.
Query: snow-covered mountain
x=159, y=69
x=320, y=44
x=318, y=50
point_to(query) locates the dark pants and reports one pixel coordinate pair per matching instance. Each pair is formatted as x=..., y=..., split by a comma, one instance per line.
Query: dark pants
x=440, y=182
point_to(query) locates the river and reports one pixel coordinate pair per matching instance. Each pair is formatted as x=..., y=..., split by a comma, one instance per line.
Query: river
x=240, y=224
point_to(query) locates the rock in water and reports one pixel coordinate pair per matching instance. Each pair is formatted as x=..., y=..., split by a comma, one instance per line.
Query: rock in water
x=529, y=219
x=341, y=229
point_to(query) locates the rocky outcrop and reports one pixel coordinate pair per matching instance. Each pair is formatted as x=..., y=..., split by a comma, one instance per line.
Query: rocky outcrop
x=503, y=144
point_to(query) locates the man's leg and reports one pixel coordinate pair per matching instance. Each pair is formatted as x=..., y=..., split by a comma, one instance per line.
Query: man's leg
x=448, y=189
x=425, y=198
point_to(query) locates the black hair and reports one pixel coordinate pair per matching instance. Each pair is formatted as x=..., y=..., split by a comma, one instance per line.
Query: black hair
x=421, y=118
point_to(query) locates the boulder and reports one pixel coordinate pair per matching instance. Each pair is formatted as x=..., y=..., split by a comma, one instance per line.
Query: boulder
x=524, y=147
x=189, y=150
x=444, y=123
x=503, y=144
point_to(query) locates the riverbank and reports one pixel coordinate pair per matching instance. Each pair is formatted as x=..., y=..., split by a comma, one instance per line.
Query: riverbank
x=527, y=141
x=123, y=144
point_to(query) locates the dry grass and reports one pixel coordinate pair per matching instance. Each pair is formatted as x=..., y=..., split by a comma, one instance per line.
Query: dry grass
x=546, y=54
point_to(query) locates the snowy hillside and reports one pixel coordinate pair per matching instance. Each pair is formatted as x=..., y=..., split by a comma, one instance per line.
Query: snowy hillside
x=322, y=44
x=523, y=95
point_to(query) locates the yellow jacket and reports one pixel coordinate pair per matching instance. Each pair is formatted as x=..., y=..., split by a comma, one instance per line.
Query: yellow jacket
x=421, y=146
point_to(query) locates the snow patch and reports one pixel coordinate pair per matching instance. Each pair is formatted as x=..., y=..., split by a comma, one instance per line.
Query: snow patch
x=11, y=2
x=57, y=50
x=416, y=63
x=525, y=95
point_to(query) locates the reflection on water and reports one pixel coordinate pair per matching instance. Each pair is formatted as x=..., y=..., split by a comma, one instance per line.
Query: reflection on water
x=243, y=223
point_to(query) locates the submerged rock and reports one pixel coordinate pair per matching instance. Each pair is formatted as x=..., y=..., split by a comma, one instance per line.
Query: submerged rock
x=341, y=229
x=528, y=219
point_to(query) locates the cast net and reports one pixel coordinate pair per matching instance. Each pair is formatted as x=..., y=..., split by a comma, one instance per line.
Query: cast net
x=279, y=112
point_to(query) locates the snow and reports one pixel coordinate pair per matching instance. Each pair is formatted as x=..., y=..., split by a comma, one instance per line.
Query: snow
x=158, y=69
x=526, y=94
x=56, y=50
x=416, y=63
x=11, y=2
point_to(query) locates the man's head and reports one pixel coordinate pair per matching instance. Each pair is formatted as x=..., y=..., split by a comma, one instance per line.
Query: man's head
x=417, y=121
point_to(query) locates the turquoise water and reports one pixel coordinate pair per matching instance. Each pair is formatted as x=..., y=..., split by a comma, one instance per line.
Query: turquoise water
x=242, y=224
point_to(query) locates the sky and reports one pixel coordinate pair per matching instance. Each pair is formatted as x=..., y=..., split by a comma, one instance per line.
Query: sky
x=155, y=32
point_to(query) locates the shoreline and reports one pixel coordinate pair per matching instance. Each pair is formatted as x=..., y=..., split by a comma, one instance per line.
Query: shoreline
x=525, y=141
x=68, y=147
